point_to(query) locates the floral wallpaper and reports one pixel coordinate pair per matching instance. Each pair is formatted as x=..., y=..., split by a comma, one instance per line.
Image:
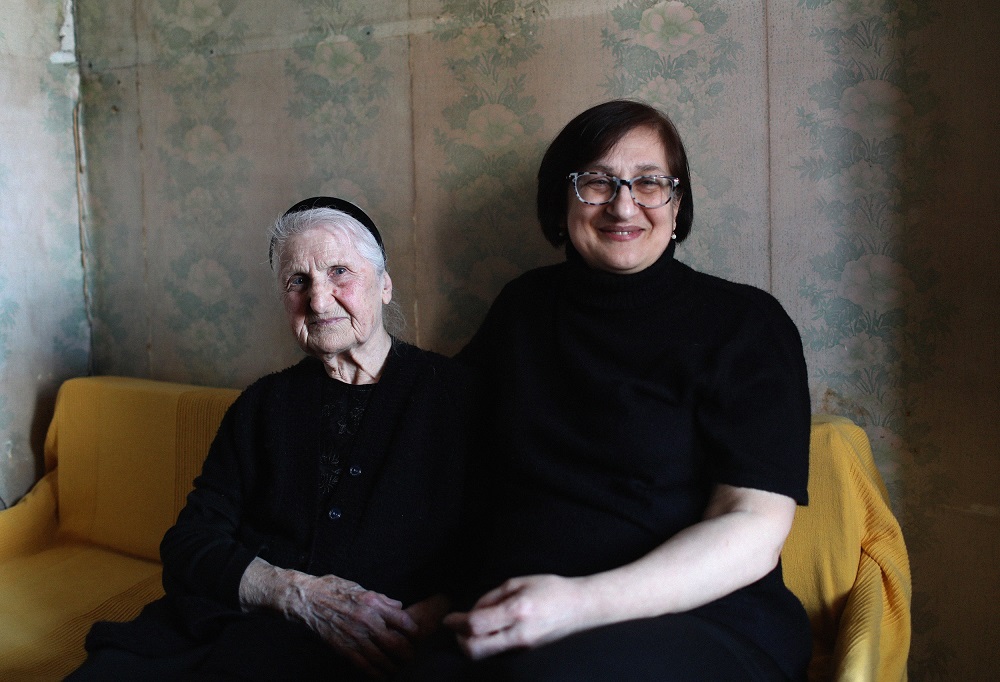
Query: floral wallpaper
x=817, y=131
x=872, y=127
x=340, y=84
x=678, y=56
x=214, y=141
x=201, y=154
x=346, y=84
x=487, y=133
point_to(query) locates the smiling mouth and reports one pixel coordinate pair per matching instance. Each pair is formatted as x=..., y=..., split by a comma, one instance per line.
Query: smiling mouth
x=621, y=233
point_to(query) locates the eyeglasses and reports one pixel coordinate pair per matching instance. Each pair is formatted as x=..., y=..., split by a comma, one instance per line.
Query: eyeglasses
x=649, y=191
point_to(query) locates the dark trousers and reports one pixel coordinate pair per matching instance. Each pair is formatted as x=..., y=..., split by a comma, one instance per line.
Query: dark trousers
x=670, y=648
x=264, y=647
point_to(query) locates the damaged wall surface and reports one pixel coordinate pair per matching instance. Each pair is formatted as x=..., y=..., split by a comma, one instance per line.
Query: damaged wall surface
x=44, y=331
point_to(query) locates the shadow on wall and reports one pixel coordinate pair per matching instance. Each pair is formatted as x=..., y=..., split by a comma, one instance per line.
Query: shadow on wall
x=45, y=403
x=872, y=125
x=876, y=141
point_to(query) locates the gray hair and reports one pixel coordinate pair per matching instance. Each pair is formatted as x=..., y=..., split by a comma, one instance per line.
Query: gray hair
x=293, y=224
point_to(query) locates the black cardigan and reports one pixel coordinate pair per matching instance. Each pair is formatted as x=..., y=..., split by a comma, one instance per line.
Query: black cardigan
x=394, y=519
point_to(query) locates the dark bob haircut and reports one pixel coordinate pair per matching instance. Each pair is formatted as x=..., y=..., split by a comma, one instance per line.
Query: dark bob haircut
x=590, y=136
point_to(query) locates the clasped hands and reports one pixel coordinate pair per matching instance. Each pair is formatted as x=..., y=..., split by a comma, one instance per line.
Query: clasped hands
x=378, y=635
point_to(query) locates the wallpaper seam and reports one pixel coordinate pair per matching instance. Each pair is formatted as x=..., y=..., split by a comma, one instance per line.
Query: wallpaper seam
x=770, y=147
x=413, y=175
x=143, y=235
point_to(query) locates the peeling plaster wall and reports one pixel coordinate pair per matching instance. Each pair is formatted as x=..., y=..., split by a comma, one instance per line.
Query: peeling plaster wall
x=44, y=335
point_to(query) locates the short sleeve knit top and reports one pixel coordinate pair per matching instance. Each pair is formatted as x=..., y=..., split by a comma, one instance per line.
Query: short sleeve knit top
x=616, y=404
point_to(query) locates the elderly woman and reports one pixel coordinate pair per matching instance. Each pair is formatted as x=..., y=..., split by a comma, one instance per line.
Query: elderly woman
x=319, y=535
x=651, y=429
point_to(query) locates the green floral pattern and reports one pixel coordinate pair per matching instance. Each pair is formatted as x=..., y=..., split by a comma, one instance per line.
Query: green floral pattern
x=878, y=314
x=491, y=145
x=678, y=57
x=340, y=87
x=202, y=155
x=878, y=317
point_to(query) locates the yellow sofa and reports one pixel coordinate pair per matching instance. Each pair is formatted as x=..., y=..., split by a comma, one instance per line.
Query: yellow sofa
x=121, y=454
x=83, y=544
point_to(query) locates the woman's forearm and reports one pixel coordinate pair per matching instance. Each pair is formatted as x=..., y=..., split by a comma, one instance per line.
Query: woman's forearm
x=738, y=542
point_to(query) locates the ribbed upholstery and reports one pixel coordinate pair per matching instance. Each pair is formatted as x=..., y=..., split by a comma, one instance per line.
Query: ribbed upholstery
x=50, y=600
x=198, y=416
x=83, y=545
x=55, y=657
x=31, y=524
x=116, y=445
x=846, y=561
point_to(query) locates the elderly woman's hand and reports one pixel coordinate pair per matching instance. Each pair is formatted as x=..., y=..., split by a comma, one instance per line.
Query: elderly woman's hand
x=523, y=612
x=371, y=630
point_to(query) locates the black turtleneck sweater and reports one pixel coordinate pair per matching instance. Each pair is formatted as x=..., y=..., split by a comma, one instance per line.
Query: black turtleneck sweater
x=617, y=402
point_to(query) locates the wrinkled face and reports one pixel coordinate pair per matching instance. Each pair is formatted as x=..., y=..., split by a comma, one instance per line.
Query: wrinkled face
x=623, y=237
x=333, y=297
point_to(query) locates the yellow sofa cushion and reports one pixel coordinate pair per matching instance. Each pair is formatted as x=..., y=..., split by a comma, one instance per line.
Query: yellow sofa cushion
x=127, y=452
x=60, y=592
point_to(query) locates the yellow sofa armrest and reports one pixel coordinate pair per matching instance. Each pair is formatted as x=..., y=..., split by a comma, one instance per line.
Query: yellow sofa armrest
x=873, y=641
x=846, y=561
x=82, y=545
x=874, y=638
x=30, y=524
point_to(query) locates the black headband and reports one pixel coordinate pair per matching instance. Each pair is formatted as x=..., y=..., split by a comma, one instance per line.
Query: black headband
x=339, y=205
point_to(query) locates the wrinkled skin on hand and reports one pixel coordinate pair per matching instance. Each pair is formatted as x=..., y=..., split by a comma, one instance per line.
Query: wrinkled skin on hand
x=369, y=629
